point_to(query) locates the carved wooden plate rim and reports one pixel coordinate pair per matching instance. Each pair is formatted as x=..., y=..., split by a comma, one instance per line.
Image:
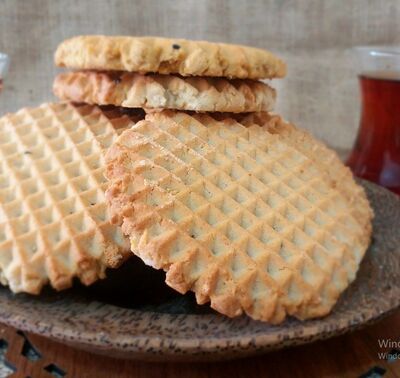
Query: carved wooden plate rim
x=128, y=333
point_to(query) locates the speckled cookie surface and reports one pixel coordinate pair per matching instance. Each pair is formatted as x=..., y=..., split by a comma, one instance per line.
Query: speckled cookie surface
x=157, y=92
x=168, y=330
x=54, y=222
x=234, y=212
x=166, y=56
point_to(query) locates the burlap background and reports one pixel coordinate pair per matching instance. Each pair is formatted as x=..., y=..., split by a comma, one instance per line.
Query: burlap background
x=320, y=92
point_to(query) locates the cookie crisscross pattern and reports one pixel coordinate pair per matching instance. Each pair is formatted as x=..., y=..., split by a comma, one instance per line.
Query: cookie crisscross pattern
x=327, y=160
x=251, y=227
x=153, y=91
x=54, y=222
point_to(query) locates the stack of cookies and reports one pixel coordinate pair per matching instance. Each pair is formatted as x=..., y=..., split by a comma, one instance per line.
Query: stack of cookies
x=158, y=73
x=197, y=178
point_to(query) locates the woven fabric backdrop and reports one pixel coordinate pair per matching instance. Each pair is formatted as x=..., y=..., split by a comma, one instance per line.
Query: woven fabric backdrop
x=320, y=92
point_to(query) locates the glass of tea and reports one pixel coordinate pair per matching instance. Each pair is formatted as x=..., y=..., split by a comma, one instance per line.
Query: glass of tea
x=3, y=68
x=376, y=152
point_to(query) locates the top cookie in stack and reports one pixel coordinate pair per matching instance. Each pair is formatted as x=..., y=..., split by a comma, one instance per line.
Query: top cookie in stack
x=160, y=73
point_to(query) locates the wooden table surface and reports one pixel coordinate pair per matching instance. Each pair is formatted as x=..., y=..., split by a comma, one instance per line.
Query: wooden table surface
x=352, y=355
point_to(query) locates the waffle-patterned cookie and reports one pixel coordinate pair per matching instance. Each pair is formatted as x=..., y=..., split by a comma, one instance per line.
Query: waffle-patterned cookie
x=168, y=56
x=237, y=213
x=54, y=222
x=341, y=177
x=154, y=91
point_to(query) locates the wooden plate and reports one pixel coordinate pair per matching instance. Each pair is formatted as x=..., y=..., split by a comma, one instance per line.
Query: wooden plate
x=133, y=314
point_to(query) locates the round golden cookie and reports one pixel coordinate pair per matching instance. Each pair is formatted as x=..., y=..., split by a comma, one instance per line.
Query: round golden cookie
x=234, y=209
x=168, y=56
x=54, y=221
x=154, y=91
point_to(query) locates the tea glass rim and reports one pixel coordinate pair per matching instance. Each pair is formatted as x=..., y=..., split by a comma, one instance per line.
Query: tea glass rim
x=379, y=50
x=3, y=57
x=4, y=62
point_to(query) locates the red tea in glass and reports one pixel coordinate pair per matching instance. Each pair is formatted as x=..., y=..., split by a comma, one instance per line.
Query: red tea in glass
x=376, y=152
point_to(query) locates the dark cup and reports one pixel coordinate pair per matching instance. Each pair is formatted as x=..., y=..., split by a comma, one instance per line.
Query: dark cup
x=376, y=152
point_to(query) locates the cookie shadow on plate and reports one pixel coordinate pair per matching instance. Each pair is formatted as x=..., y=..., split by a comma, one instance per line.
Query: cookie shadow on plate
x=133, y=286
